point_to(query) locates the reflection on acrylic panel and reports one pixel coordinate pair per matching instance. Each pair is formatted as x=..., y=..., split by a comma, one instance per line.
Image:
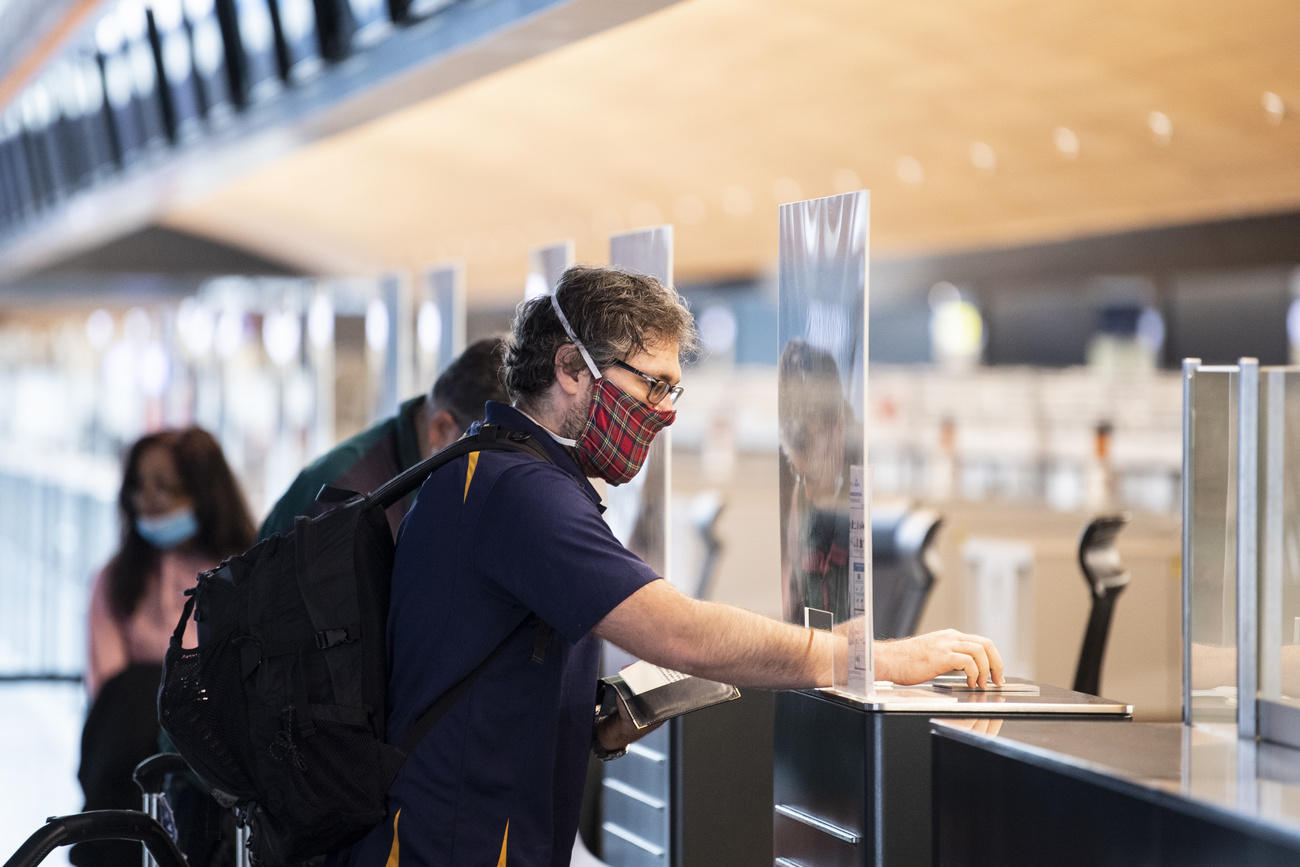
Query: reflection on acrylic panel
x=439, y=322
x=545, y=265
x=1278, y=550
x=821, y=383
x=638, y=510
x=1211, y=528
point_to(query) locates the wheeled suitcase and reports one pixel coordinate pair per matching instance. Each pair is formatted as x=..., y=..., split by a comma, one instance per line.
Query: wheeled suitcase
x=154, y=826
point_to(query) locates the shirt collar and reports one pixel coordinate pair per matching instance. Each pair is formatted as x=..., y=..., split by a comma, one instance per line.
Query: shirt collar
x=512, y=419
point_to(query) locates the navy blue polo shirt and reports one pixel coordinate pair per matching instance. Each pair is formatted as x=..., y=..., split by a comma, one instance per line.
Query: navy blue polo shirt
x=495, y=540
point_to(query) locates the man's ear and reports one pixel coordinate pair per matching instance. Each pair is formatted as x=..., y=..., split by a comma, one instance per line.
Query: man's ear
x=443, y=430
x=566, y=361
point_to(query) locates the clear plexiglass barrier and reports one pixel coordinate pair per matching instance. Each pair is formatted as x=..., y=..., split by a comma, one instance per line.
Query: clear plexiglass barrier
x=638, y=510
x=821, y=382
x=1277, y=553
x=1210, y=533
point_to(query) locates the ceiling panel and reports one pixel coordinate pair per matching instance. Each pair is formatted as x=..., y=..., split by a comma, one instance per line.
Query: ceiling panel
x=710, y=112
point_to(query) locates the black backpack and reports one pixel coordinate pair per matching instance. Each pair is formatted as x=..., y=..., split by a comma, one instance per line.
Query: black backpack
x=281, y=709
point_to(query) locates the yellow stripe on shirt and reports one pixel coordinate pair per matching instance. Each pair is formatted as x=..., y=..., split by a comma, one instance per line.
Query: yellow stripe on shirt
x=501, y=861
x=469, y=474
x=393, y=855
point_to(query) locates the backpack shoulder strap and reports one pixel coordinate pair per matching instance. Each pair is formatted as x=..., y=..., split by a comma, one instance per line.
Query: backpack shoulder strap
x=487, y=437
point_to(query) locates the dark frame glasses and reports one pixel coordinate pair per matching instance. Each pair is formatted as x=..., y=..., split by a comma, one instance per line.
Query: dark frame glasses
x=658, y=389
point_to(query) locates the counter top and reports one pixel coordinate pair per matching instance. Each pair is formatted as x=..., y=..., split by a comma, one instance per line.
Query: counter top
x=932, y=700
x=1203, y=770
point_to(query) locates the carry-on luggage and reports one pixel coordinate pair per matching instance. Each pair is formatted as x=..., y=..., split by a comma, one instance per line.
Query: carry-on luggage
x=99, y=825
x=160, y=778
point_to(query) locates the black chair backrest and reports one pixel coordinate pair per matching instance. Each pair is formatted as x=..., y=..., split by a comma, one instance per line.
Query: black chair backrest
x=904, y=563
x=1106, y=577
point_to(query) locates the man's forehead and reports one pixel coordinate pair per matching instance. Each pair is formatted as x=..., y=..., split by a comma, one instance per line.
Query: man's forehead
x=659, y=359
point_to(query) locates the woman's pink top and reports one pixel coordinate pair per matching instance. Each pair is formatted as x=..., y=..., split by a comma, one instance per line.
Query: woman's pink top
x=116, y=643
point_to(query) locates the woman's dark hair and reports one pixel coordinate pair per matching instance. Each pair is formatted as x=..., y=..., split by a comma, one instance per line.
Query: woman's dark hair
x=225, y=525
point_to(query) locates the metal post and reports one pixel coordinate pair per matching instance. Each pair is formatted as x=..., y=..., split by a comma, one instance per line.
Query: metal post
x=1247, y=540
x=1190, y=366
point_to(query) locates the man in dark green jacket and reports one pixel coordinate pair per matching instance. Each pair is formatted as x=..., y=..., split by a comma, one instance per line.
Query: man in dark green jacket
x=422, y=426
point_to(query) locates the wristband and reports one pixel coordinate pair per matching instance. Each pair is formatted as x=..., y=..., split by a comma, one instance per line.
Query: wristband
x=606, y=707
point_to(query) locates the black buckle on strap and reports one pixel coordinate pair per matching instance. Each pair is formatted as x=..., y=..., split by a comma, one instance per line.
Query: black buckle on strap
x=328, y=638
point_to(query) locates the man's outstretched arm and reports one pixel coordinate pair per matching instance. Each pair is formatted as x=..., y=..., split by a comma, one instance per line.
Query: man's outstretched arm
x=721, y=642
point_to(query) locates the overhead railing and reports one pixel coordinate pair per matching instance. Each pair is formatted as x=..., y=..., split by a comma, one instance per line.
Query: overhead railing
x=161, y=100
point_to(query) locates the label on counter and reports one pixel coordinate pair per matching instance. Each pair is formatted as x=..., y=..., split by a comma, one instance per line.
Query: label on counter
x=861, y=669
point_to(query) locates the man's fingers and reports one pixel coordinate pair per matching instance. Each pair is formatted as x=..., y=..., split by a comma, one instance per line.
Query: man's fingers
x=995, y=668
x=976, y=652
x=964, y=662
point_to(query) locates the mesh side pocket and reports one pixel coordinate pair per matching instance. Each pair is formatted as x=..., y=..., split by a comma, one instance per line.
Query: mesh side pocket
x=197, y=720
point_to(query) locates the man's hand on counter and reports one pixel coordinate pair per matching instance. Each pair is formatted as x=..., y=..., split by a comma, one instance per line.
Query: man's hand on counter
x=923, y=657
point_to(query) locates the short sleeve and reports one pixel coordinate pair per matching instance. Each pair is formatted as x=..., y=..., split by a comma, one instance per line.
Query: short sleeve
x=544, y=542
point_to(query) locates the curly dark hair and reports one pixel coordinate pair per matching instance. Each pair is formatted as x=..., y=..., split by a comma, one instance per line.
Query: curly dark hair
x=615, y=314
x=225, y=525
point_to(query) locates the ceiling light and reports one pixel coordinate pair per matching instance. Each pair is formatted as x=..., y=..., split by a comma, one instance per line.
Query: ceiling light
x=1161, y=126
x=909, y=170
x=1274, y=107
x=845, y=181
x=737, y=202
x=1066, y=141
x=983, y=157
x=689, y=210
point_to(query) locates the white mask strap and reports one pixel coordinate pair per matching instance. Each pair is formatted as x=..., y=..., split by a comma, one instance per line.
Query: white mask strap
x=591, y=365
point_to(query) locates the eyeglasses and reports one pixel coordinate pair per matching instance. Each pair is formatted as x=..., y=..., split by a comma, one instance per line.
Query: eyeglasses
x=658, y=389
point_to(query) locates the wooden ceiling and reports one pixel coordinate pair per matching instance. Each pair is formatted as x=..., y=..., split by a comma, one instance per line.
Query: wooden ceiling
x=958, y=116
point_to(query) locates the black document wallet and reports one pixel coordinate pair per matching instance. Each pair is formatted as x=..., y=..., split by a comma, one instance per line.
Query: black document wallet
x=653, y=694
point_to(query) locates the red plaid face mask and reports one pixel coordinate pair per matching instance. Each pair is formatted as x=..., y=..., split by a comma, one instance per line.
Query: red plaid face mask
x=616, y=439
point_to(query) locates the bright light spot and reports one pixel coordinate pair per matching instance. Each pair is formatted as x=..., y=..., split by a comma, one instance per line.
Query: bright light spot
x=1293, y=323
x=108, y=34
x=195, y=326
x=737, y=202
x=99, y=329
x=428, y=326
x=229, y=335
x=689, y=210
x=786, y=190
x=1161, y=126
x=154, y=369
x=956, y=332
x=845, y=181
x=167, y=14
x=909, y=170
x=942, y=293
x=1274, y=107
x=136, y=327
x=130, y=15
x=1151, y=329
x=119, y=369
x=281, y=336
x=1066, y=142
x=983, y=157
x=320, y=322
x=718, y=328
x=376, y=325
x=197, y=9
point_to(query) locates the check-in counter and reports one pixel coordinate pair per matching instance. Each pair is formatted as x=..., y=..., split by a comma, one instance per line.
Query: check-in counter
x=853, y=777
x=1036, y=792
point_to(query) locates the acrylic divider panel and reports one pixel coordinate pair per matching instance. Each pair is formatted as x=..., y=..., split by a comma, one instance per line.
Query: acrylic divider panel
x=822, y=304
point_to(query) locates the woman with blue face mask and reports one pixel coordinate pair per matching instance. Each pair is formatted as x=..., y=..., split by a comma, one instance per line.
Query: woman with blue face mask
x=181, y=513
